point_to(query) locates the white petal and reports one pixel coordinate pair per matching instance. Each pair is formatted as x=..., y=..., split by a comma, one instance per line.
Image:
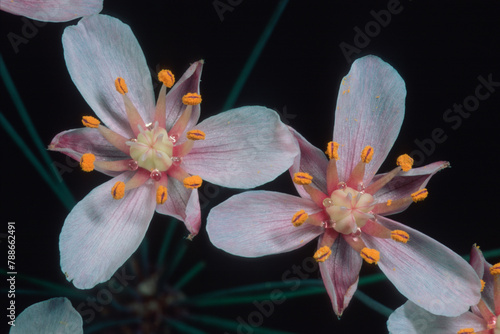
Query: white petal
x=98, y=50
x=101, y=233
x=52, y=316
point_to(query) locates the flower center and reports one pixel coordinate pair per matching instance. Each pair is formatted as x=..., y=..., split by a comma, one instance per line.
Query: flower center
x=348, y=209
x=152, y=149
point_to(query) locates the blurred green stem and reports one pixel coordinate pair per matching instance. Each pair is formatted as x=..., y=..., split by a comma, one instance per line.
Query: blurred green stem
x=373, y=304
x=9, y=129
x=252, y=59
x=49, y=173
x=182, y=327
x=189, y=275
x=56, y=289
x=230, y=325
x=167, y=238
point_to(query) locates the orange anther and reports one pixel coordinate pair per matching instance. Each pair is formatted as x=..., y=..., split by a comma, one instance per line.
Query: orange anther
x=192, y=182
x=400, y=236
x=90, y=122
x=322, y=254
x=118, y=190
x=405, y=161
x=367, y=154
x=299, y=218
x=87, y=162
x=195, y=135
x=495, y=269
x=191, y=99
x=161, y=195
x=332, y=149
x=121, y=86
x=371, y=256
x=419, y=195
x=302, y=178
x=167, y=78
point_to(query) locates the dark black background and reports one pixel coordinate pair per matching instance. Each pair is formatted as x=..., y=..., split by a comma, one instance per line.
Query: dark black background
x=440, y=50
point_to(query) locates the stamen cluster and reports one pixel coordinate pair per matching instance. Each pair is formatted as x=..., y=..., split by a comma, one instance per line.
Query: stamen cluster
x=155, y=154
x=350, y=208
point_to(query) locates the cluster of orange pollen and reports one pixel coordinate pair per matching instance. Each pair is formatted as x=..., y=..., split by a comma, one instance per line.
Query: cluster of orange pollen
x=350, y=208
x=153, y=152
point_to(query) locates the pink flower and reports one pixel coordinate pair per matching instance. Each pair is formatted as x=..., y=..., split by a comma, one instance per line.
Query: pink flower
x=344, y=202
x=52, y=10
x=156, y=155
x=483, y=318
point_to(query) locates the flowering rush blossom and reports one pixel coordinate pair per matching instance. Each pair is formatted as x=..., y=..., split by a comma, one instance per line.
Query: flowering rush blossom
x=483, y=318
x=52, y=10
x=344, y=202
x=55, y=315
x=155, y=155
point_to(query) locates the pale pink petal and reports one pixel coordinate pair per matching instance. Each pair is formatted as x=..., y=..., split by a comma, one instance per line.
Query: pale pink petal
x=478, y=262
x=412, y=319
x=426, y=272
x=370, y=111
x=257, y=223
x=188, y=83
x=182, y=204
x=54, y=316
x=340, y=273
x=74, y=143
x=310, y=160
x=101, y=233
x=406, y=183
x=52, y=10
x=482, y=268
x=244, y=148
x=98, y=50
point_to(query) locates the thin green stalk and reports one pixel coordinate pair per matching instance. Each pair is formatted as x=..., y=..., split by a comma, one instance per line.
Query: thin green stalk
x=254, y=56
x=169, y=233
x=182, y=327
x=253, y=288
x=230, y=325
x=494, y=253
x=144, y=247
x=181, y=250
x=276, y=294
x=189, y=275
x=23, y=113
x=11, y=132
x=109, y=324
x=31, y=292
x=371, y=279
x=56, y=288
x=373, y=304
x=239, y=295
